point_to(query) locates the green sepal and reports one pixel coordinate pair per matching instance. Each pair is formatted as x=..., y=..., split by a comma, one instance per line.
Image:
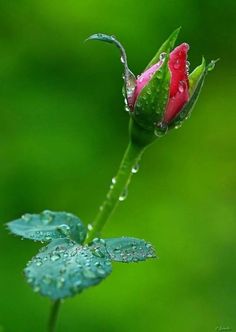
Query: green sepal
x=49, y=225
x=129, y=77
x=166, y=47
x=64, y=268
x=195, y=76
x=198, y=78
x=151, y=102
x=129, y=249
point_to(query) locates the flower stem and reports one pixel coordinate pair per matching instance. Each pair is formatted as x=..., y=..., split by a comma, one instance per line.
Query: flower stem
x=53, y=316
x=118, y=187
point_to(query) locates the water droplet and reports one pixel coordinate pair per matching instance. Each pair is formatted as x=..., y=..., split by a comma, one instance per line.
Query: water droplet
x=26, y=217
x=47, y=217
x=60, y=282
x=162, y=56
x=90, y=227
x=161, y=129
x=88, y=273
x=187, y=66
x=64, y=229
x=135, y=169
x=38, y=262
x=181, y=86
x=177, y=64
x=211, y=65
x=127, y=109
x=36, y=289
x=178, y=125
x=47, y=279
x=54, y=257
x=122, y=59
x=123, y=195
x=101, y=271
x=113, y=180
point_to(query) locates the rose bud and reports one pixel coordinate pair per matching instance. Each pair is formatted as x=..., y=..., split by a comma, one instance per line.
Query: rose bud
x=163, y=96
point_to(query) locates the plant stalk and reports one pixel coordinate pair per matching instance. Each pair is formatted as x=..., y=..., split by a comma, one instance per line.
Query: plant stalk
x=53, y=316
x=117, y=189
x=116, y=193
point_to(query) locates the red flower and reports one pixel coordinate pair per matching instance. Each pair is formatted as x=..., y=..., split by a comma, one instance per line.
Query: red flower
x=179, y=83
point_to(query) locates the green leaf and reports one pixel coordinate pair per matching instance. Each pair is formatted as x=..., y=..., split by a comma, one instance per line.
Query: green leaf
x=129, y=77
x=195, y=76
x=151, y=103
x=49, y=225
x=166, y=47
x=64, y=268
x=196, y=89
x=129, y=249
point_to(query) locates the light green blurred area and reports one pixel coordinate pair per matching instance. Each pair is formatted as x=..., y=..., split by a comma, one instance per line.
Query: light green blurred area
x=63, y=131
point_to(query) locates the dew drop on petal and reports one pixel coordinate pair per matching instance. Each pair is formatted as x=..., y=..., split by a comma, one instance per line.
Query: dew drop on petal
x=177, y=64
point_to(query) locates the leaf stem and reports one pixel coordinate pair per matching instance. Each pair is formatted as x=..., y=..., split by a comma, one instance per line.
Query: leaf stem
x=53, y=316
x=118, y=187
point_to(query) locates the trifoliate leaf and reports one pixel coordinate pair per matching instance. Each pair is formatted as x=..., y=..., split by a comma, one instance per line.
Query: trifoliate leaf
x=166, y=47
x=128, y=249
x=49, y=225
x=64, y=268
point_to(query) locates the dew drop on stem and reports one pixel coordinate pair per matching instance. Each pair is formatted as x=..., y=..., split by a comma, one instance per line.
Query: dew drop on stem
x=123, y=195
x=135, y=168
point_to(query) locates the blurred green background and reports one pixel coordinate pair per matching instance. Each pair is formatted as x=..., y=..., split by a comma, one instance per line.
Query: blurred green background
x=62, y=134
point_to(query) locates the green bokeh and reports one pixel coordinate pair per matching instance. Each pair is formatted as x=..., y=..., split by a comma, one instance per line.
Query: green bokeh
x=62, y=133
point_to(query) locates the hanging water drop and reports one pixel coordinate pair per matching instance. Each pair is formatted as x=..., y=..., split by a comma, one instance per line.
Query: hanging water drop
x=135, y=168
x=161, y=129
x=123, y=195
x=122, y=59
x=178, y=125
x=211, y=65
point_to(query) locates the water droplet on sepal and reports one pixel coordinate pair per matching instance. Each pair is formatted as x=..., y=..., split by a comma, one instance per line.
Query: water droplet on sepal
x=161, y=129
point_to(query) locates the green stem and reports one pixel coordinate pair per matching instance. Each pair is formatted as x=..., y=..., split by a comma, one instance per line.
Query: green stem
x=118, y=187
x=53, y=316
